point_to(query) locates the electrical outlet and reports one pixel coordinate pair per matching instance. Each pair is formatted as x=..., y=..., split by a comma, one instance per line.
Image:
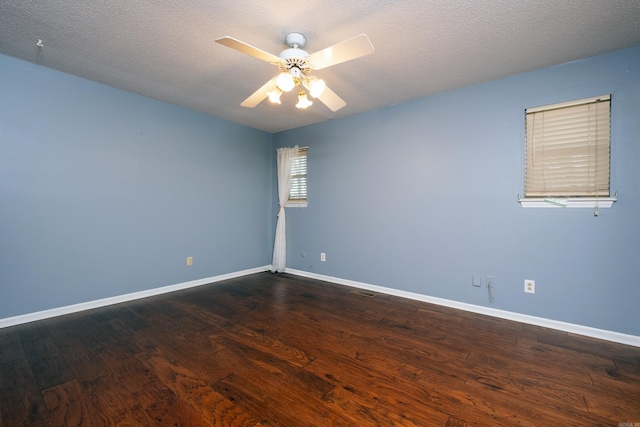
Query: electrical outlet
x=530, y=286
x=189, y=261
x=323, y=257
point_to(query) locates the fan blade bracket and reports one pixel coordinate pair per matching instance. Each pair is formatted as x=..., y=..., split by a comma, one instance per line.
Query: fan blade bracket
x=347, y=50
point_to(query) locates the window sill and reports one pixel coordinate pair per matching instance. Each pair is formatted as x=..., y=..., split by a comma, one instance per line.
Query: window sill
x=576, y=202
x=296, y=205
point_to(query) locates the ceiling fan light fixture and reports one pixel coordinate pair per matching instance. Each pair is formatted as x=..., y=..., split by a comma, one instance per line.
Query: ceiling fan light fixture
x=295, y=64
x=274, y=95
x=303, y=101
x=285, y=82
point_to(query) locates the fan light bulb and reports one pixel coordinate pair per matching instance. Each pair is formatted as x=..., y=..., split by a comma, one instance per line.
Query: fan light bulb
x=285, y=82
x=303, y=101
x=274, y=95
x=317, y=87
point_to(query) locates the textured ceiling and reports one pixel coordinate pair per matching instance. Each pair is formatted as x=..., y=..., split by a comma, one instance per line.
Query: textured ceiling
x=165, y=49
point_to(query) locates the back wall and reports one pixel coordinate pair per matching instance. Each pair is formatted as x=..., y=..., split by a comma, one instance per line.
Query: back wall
x=422, y=195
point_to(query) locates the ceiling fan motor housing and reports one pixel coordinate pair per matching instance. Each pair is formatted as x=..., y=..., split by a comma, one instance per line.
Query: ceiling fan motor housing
x=294, y=59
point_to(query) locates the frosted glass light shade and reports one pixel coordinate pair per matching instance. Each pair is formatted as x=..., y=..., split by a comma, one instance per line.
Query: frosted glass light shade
x=317, y=87
x=274, y=95
x=303, y=101
x=285, y=82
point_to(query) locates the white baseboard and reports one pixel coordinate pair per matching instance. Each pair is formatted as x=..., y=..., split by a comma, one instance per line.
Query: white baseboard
x=54, y=312
x=508, y=315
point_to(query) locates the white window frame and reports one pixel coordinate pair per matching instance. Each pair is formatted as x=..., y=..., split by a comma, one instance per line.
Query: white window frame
x=554, y=199
x=298, y=183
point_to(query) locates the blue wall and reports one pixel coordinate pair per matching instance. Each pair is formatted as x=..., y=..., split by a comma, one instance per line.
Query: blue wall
x=422, y=195
x=104, y=193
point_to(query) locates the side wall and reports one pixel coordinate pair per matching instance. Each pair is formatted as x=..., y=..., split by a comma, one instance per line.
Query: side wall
x=422, y=195
x=105, y=193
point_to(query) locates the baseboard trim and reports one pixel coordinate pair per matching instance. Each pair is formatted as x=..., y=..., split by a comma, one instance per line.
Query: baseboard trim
x=61, y=311
x=503, y=314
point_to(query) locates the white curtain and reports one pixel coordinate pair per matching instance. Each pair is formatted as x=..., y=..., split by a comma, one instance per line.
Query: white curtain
x=284, y=179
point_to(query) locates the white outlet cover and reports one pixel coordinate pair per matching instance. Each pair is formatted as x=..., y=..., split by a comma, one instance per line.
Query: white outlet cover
x=530, y=286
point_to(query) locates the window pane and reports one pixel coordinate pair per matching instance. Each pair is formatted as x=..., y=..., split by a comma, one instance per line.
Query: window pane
x=298, y=170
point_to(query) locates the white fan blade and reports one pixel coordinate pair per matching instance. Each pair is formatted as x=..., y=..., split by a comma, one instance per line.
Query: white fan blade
x=248, y=49
x=347, y=50
x=331, y=100
x=258, y=96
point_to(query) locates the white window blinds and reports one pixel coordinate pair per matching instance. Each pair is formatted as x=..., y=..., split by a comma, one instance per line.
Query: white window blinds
x=298, y=185
x=568, y=149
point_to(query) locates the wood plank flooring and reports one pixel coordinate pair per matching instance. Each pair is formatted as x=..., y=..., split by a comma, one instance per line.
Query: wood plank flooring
x=281, y=350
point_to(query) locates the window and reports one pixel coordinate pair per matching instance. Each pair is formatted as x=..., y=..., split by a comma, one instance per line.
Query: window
x=298, y=185
x=567, y=154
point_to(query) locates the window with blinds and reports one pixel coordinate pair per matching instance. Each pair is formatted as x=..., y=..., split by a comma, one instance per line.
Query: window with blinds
x=568, y=149
x=298, y=185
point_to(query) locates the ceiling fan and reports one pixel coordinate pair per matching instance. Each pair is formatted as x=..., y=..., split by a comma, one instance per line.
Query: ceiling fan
x=295, y=65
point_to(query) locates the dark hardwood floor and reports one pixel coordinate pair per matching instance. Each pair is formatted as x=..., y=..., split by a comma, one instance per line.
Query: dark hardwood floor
x=281, y=350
